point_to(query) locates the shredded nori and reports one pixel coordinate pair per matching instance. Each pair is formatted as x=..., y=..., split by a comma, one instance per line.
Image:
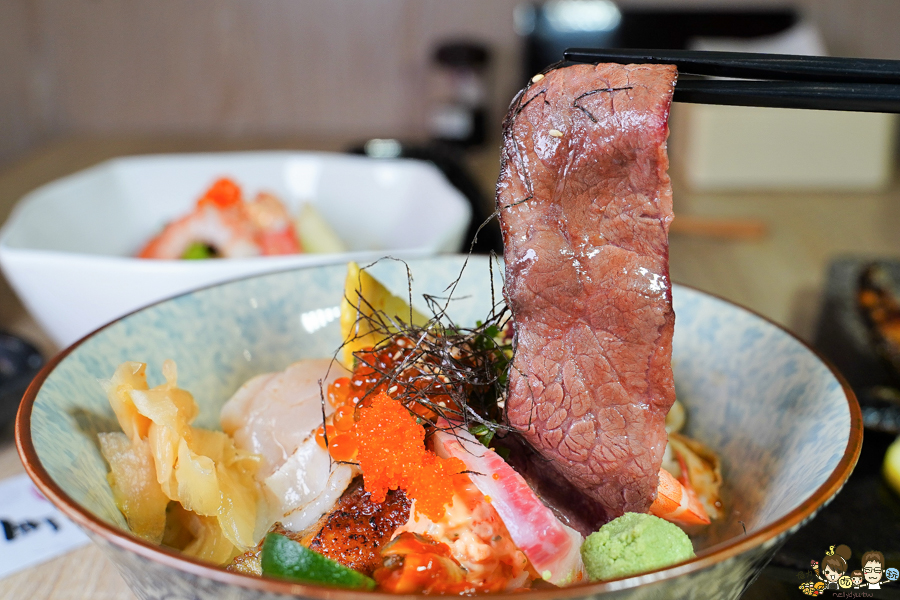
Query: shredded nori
x=441, y=359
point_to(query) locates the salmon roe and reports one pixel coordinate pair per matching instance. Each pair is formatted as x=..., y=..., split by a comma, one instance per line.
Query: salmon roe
x=320, y=435
x=338, y=391
x=343, y=447
x=344, y=417
x=223, y=193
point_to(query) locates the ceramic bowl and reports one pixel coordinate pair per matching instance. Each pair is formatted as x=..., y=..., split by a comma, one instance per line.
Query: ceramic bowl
x=786, y=427
x=68, y=248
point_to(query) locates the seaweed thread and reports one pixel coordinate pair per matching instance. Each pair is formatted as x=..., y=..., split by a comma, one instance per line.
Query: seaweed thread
x=591, y=93
x=456, y=373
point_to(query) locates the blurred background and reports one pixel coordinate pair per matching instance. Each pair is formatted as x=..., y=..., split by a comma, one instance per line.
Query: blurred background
x=777, y=210
x=86, y=80
x=278, y=68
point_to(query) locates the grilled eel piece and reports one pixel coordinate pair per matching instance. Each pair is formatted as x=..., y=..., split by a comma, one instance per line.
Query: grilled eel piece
x=880, y=309
x=352, y=534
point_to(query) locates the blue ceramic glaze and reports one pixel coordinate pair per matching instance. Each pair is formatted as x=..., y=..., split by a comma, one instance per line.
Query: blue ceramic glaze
x=776, y=415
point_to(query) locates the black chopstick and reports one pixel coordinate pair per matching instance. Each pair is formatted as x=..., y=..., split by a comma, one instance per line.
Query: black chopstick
x=814, y=82
x=746, y=65
x=860, y=97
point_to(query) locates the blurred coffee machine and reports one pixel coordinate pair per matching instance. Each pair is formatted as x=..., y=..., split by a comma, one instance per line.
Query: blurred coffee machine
x=727, y=147
x=459, y=93
x=549, y=28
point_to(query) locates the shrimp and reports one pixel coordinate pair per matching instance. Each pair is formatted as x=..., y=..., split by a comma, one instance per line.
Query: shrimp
x=677, y=502
x=224, y=226
x=276, y=234
x=699, y=467
x=225, y=233
x=694, y=465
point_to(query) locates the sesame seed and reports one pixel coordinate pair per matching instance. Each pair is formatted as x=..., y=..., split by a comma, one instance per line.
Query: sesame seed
x=537, y=78
x=555, y=133
x=392, y=389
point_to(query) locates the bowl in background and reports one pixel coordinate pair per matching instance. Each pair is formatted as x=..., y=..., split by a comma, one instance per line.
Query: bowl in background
x=786, y=427
x=68, y=248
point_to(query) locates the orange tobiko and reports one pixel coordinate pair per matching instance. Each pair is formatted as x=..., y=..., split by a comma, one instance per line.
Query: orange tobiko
x=392, y=455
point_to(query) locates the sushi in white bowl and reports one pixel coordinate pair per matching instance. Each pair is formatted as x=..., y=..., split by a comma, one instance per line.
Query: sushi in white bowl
x=69, y=247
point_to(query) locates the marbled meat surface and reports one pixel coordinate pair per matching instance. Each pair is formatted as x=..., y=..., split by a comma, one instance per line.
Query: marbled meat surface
x=585, y=205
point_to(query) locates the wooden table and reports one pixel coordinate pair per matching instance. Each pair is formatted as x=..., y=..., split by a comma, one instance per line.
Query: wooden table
x=779, y=275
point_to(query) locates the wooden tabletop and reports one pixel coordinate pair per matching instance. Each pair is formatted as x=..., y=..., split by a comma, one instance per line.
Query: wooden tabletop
x=779, y=274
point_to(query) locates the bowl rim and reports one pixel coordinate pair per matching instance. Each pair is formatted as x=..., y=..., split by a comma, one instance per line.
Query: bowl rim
x=709, y=557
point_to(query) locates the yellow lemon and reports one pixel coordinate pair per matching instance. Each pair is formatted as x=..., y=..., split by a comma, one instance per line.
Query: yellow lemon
x=892, y=465
x=367, y=310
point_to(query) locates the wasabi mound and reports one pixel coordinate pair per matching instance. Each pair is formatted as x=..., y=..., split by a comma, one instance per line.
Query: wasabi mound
x=634, y=543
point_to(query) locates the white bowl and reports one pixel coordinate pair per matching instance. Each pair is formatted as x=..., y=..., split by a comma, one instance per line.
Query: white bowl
x=68, y=247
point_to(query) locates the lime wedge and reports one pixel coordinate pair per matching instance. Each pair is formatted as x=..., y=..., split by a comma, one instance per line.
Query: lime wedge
x=284, y=558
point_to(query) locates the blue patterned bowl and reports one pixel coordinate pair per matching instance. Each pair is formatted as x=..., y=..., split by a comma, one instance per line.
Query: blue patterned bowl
x=786, y=426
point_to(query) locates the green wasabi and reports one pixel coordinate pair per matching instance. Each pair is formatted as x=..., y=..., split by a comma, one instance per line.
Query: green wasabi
x=634, y=543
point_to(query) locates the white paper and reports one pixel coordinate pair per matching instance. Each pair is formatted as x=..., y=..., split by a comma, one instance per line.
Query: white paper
x=31, y=529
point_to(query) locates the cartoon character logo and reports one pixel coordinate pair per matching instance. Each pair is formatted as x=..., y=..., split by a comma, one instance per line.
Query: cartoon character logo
x=833, y=566
x=812, y=588
x=832, y=572
x=873, y=567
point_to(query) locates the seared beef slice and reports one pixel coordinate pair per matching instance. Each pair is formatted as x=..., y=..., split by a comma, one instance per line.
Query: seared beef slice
x=585, y=205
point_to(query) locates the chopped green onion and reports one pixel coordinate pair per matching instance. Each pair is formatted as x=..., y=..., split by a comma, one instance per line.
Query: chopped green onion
x=482, y=433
